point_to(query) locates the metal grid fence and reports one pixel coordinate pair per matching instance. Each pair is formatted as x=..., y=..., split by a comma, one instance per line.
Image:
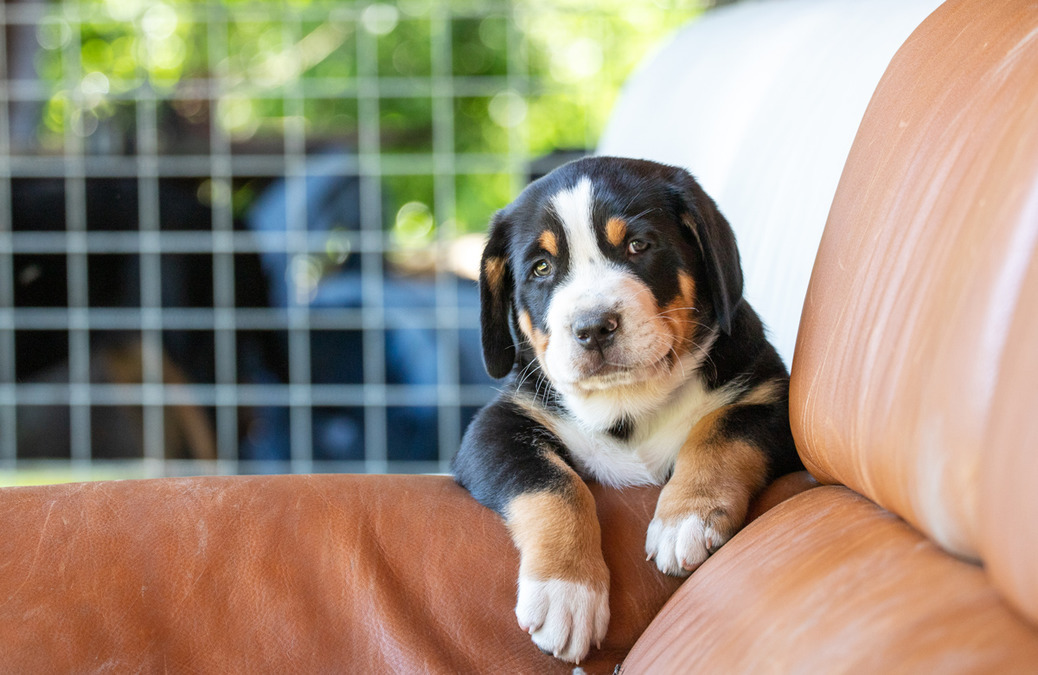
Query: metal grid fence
x=233, y=250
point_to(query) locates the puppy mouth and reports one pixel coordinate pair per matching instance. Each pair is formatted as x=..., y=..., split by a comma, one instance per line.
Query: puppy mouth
x=605, y=373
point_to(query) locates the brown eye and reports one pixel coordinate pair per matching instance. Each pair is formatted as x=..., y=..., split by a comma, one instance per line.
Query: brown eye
x=636, y=246
x=542, y=268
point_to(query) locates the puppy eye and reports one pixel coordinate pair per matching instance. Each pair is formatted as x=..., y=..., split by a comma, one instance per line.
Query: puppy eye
x=636, y=246
x=542, y=268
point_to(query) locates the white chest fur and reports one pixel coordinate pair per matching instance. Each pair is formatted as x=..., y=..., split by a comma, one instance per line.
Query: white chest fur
x=648, y=456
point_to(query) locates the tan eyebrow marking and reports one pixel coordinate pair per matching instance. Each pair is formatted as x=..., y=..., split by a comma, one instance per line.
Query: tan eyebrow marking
x=549, y=242
x=616, y=230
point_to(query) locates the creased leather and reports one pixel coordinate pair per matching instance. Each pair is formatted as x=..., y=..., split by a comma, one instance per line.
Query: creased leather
x=304, y=574
x=285, y=574
x=905, y=356
x=828, y=582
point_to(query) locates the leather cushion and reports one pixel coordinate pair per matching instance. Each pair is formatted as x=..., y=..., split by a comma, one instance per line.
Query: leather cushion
x=828, y=581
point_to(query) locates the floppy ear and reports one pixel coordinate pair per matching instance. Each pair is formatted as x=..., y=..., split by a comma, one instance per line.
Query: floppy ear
x=716, y=242
x=495, y=296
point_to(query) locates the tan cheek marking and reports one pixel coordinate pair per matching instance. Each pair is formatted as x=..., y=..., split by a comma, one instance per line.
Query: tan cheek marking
x=549, y=242
x=494, y=273
x=558, y=535
x=688, y=287
x=688, y=296
x=711, y=471
x=616, y=231
x=538, y=339
x=680, y=315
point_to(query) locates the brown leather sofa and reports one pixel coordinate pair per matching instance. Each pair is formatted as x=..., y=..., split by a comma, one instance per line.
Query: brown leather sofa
x=914, y=399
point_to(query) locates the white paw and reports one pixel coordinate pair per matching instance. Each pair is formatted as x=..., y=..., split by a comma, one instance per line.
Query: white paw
x=564, y=618
x=680, y=545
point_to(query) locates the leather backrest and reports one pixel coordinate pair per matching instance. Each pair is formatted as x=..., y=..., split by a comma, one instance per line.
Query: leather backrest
x=915, y=376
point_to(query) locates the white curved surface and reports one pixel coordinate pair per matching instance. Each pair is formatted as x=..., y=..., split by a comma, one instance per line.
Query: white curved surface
x=761, y=101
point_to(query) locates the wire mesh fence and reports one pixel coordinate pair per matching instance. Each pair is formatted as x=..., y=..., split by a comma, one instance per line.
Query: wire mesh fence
x=240, y=237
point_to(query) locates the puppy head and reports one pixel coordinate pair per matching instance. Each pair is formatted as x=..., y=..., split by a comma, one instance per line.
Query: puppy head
x=609, y=272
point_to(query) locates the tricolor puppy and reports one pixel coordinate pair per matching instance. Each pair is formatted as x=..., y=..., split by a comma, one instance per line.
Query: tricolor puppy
x=611, y=297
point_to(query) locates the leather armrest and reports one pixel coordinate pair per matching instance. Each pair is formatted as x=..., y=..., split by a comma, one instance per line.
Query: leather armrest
x=300, y=573
x=831, y=582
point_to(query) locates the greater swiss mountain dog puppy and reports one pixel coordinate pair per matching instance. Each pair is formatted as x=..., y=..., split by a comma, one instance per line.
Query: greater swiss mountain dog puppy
x=611, y=296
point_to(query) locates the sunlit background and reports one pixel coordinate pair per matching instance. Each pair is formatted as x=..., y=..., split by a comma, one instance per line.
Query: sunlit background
x=240, y=236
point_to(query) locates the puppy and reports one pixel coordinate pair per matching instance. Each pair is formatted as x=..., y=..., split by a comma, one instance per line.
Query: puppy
x=611, y=297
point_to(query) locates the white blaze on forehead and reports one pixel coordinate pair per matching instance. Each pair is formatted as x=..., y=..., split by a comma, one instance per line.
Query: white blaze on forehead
x=573, y=207
x=591, y=282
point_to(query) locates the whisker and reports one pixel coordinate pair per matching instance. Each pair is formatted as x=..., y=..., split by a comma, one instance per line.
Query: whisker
x=677, y=309
x=636, y=217
x=527, y=372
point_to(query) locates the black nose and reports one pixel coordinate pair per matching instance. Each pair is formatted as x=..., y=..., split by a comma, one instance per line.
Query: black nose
x=596, y=331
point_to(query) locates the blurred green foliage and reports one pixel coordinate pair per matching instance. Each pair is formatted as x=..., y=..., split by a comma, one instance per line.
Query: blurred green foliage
x=496, y=83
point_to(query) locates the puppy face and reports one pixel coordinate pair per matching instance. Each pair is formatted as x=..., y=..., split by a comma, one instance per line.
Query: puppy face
x=605, y=303
x=608, y=272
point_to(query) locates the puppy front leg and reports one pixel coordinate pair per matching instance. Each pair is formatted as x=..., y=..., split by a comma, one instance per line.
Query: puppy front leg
x=563, y=598
x=705, y=501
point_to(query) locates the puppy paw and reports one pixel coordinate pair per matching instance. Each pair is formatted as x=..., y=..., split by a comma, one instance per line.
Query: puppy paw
x=680, y=544
x=564, y=618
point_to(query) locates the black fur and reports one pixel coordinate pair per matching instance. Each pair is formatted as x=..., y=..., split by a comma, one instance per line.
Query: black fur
x=495, y=477
x=496, y=305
